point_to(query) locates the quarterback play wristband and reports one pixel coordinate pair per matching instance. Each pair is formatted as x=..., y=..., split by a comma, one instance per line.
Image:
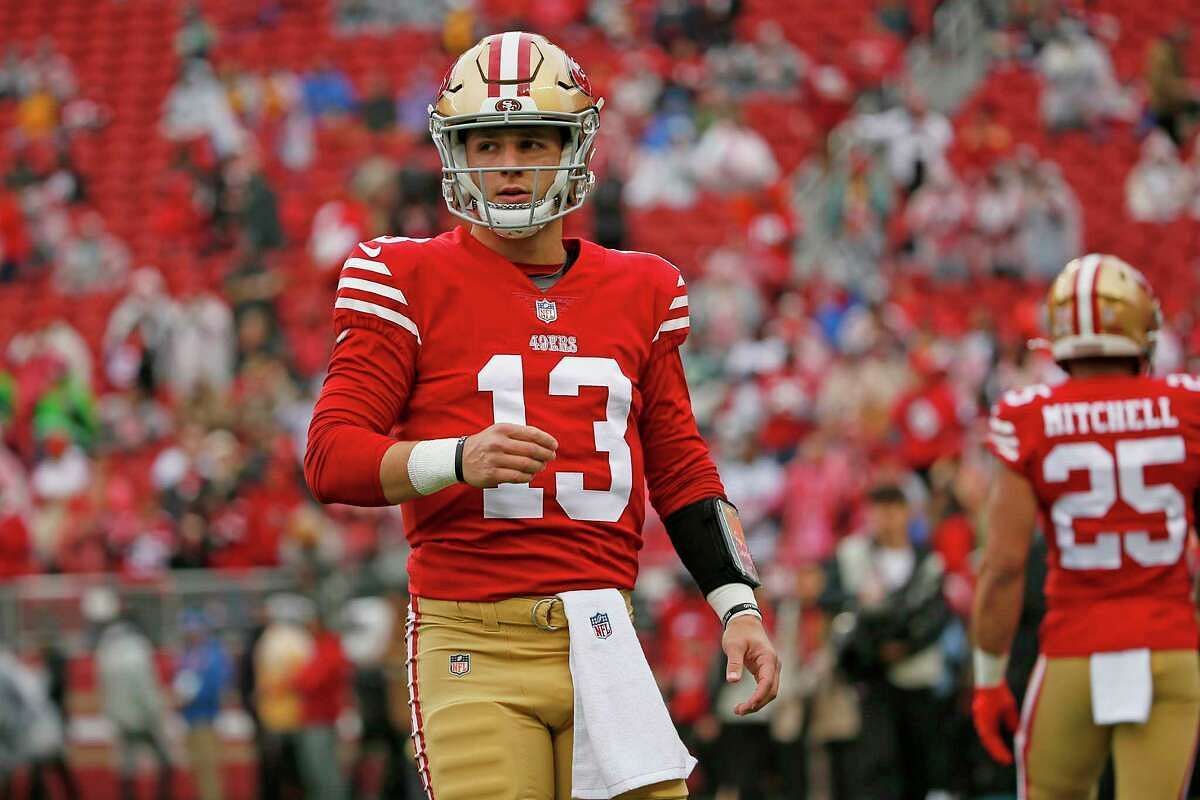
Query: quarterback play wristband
x=431, y=465
x=989, y=669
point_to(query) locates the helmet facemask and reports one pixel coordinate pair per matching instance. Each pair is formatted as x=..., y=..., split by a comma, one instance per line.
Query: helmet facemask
x=569, y=181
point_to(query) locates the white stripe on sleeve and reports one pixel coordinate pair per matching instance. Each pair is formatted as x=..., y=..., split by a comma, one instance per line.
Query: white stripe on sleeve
x=380, y=289
x=394, y=317
x=367, y=264
x=679, y=302
x=671, y=325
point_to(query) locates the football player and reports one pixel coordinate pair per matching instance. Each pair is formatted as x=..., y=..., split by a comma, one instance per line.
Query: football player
x=1111, y=459
x=514, y=391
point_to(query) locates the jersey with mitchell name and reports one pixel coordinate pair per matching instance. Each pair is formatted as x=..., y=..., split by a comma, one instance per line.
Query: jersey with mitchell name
x=593, y=361
x=1115, y=464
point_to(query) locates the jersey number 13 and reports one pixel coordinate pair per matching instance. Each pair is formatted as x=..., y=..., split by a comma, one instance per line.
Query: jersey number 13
x=504, y=378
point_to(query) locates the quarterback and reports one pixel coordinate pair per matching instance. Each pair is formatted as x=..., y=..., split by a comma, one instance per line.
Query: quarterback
x=1111, y=458
x=515, y=391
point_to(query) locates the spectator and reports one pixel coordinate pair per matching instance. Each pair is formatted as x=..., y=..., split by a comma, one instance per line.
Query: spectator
x=196, y=37
x=93, y=260
x=198, y=107
x=133, y=702
x=1157, y=187
x=253, y=203
x=915, y=139
x=36, y=737
x=37, y=113
x=63, y=473
x=138, y=337
x=200, y=682
x=202, y=346
x=319, y=685
x=780, y=65
x=891, y=590
x=282, y=651
x=731, y=157
x=1081, y=88
x=663, y=174
x=328, y=92
x=378, y=109
x=1050, y=233
x=996, y=216
x=929, y=418
x=370, y=630
x=53, y=678
x=1172, y=102
x=984, y=136
x=336, y=227
x=937, y=219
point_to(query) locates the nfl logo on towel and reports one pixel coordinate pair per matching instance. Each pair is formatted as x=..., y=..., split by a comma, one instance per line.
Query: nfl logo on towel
x=460, y=663
x=547, y=311
x=601, y=626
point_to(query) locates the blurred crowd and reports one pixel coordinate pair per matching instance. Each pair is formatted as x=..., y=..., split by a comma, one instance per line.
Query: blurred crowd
x=870, y=290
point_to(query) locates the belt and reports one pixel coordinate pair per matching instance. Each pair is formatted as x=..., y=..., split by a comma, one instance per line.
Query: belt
x=546, y=613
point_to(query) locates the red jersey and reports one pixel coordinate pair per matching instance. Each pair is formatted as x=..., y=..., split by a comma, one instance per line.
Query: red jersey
x=1115, y=463
x=443, y=337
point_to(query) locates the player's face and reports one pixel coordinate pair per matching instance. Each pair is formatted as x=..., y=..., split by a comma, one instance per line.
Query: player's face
x=535, y=146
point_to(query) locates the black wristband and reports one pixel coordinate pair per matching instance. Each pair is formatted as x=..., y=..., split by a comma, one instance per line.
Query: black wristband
x=739, y=608
x=458, y=458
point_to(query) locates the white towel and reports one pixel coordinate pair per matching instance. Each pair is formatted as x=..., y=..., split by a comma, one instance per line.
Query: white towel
x=1122, y=687
x=624, y=738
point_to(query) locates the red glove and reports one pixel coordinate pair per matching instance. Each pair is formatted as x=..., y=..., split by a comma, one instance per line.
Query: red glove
x=994, y=711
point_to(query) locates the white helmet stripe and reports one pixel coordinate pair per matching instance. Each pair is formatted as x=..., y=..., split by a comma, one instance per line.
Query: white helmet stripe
x=510, y=47
x=1085, y=286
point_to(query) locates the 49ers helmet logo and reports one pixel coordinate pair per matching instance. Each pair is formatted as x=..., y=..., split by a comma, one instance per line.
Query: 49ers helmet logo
x=508, y=104
x=580, y=77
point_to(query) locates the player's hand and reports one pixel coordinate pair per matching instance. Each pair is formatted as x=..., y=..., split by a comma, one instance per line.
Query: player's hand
x=994, y=711
x=746, y=645
x=505, y=453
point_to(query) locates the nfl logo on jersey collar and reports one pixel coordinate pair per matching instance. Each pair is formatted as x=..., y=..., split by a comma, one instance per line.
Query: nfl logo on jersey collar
x=601, y=626
x=546, y=310
x=460, y=664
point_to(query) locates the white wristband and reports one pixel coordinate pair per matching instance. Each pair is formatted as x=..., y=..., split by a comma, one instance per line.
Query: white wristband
x=989, y=669
x=729, y=595
x=431, y=465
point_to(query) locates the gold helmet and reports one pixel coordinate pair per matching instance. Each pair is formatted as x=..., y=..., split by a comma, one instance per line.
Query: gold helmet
x=1100, y=306
x=515, y=79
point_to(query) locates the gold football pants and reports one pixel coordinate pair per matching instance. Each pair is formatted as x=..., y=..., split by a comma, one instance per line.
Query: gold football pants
x=492, y=701
x=1061, y=752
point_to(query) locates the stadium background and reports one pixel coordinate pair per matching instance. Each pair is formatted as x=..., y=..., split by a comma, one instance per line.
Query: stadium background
x=867, y=198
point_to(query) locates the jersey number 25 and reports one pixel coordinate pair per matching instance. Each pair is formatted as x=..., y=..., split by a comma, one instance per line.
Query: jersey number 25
x=1111, y=478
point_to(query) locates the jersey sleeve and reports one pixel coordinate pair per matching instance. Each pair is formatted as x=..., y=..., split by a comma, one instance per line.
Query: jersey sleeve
x=679, y=469
x=1011, y=432
x=374, y=291
x=671, y=310
x=371, y=372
